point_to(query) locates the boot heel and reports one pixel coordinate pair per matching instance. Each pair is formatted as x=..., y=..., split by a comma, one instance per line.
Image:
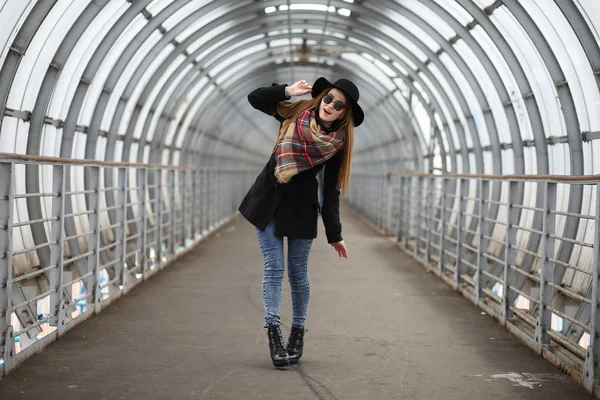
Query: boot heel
x=281, y=364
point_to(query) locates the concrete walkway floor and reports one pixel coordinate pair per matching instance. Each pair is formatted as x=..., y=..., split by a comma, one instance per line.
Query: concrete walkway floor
x=379, y=327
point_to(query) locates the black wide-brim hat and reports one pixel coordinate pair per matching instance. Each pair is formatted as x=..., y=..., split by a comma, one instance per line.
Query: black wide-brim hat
x=349, y=89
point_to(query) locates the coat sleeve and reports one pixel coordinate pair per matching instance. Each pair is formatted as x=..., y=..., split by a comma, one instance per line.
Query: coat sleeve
x=331, y=199
x=266, y=99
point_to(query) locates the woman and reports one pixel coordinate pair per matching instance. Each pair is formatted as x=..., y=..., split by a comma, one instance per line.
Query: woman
x=283, y=200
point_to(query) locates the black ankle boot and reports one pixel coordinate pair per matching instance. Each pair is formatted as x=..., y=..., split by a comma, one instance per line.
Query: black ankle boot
x=279, y=356
x=295, y=344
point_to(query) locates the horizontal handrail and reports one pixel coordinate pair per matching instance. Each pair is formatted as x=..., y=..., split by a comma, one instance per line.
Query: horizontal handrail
x=527, y=178
x=30, y=159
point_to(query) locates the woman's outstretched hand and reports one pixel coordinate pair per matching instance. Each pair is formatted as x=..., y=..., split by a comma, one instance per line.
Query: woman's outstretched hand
x=340, y=247
x=298, y=89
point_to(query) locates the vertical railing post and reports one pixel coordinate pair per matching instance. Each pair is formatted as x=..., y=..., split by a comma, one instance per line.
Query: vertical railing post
x=384, y=199
x=430, y=181
x=388, y=208
x=94, y=237
x=419, y=198
x=55, y=275
x=460, y=227
x=591, y=370
x=408, y=210
x=121, y=267
x=443, y=225
x=544, y=319
x=203, y=202
x=194, y=205
x=159, y=217
x=7, y=193
x=172, y=213
x=400, y=209
x=144, y=194
x=209, y=200
x=184, y=208
x=510, y=253
x=216, y=199
x=214, y=205
x=482, y=246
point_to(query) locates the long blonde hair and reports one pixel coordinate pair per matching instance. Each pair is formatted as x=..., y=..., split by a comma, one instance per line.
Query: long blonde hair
x=291, y=111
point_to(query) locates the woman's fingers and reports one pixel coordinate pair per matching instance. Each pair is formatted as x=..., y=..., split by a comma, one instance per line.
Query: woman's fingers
x=344, y=252
x=302, y=87
x=340, y=247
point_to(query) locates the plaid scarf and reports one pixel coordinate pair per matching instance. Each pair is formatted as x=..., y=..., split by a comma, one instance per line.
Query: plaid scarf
x=304, y=145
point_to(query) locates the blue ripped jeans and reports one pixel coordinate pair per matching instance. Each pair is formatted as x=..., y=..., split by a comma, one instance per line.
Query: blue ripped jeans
x=271, y=247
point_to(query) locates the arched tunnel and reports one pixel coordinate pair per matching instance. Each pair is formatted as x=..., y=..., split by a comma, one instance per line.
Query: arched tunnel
x=127, y=139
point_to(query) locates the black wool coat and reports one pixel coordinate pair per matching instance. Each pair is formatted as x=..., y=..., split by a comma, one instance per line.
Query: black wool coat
x=294, y=204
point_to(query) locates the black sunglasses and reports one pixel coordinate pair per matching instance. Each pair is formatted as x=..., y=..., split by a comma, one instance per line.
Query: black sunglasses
x=337, y=105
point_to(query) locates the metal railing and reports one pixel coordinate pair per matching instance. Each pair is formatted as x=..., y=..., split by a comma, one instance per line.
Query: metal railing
x=89, y=232
x=511, y=244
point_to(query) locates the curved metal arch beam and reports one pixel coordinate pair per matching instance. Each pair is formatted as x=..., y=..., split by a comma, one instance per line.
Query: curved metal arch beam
x=406, y=121
x=244, y=86
x=190, y=58
x=19, y=47
x=533, y=108
x=36, y=124
x=573, y=132
x=102, y=50
x=187, y=86
x=94, y=64
x=500, y=88
x=584, y=34
x=592, y=51
x=375, y=50
x=167, y=38
x=11, y=64
x=483, y=20
x=32, y=182
x=98, y=123
x=464, y=109
x=388, y=115
x=154, y=24
x=8, y=71
x=493, y=74
x=470, y=77
x=111, y=136
x=380, y=16
x=555, y=71
x=366, y=85
x=437, y=108
x=70, y=123
x=90, y=71
x=257, y=56
x=450, y=107
x=408, y=81
x=208, y=101
x=248, y=86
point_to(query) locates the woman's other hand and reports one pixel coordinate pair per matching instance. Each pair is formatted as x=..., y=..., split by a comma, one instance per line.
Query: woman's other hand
x=298, y=89
x=340, y=247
